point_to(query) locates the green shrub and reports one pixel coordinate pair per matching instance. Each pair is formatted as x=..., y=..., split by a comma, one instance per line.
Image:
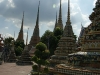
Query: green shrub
x=46, y=70
x=35, y=68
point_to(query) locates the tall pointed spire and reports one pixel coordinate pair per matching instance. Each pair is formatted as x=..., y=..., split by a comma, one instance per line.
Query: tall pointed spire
x=22, y=22
x=82, y=31
x=68, y=31
x=37, y=21
x=60, y=18
x=20, y=36
x=60, y=13
x=68, y=17
x=56, y=17
x=82, y=26
x=27, y=37
x=35, y=37
x=36, y=29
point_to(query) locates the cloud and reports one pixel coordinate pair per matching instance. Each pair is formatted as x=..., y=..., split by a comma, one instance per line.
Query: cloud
x=25, y=34
x=10, y=4
x=12, y=12
x=94, y=2
x=6, y=27
x=1, y=1
x=9, y=35
x=50, y=24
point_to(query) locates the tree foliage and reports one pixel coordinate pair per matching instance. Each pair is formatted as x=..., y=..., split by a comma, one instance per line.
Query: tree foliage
x=40, y=55
x=35, y=67
x=19, y=46
x=18, y=51
x=46, y=70
x=41, y=46
x=8, y=42
x=58, y=31
x=19, y=43
x=52, y=39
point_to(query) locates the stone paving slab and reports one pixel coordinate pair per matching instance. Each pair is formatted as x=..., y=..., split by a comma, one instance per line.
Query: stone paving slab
x=13, y=69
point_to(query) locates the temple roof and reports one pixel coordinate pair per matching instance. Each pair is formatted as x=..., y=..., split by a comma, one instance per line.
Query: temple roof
x=82, y=32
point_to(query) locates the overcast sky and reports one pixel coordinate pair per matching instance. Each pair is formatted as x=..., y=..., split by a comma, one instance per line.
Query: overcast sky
x=11, y=12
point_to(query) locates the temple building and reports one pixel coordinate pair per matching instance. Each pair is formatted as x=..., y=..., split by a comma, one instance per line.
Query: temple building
x=20, y=36
x=81, y=35
x=66, y=44
x=35, y=38
x=25, y=58
x=59, y=23
x=86, y=61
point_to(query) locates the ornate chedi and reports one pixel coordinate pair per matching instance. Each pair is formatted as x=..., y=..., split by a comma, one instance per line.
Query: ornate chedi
x=25, y=58
x=59, y=24
x=20, y=36
x=87, y=61
x=66, y=44
x=91, y=41
x=35, y=37
x=12, y=55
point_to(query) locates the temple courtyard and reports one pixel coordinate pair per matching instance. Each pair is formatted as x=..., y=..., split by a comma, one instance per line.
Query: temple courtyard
x=13, y=69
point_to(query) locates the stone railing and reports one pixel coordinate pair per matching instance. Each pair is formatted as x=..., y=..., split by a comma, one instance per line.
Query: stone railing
x=76, y=72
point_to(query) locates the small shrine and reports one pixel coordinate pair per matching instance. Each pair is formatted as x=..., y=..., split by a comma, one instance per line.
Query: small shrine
x=66, y=45
x=25, y=58
x=12, y=55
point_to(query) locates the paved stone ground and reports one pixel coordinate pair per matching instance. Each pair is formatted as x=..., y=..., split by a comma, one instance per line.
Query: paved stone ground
x=13, y=69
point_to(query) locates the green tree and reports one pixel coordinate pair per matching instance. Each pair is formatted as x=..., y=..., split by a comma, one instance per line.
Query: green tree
x=46, y=36
x=19, y=47
x=58, y=32
x=18, y=51
x=19, y=43
x=51, y=39
x=40, y=55
x=8, y=42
